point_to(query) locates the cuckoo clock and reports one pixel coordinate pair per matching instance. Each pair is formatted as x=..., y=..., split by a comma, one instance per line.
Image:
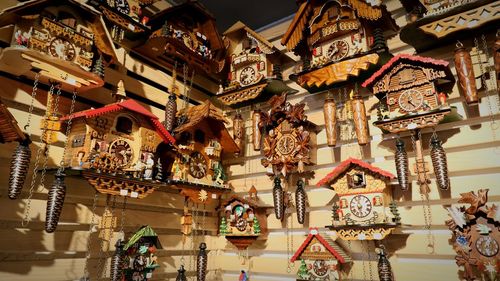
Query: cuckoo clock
x=320, y=258
x=338, y=41
x=140, y=258
x=64, y=41
x=195, y=166
x=186, y=33
x=361, y=212
x=242, y=221
x=441, y=22
x=254, y=66
x=476, y=236
x=115, y=147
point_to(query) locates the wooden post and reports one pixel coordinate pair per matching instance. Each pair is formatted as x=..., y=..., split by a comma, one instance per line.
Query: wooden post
x=330, y=115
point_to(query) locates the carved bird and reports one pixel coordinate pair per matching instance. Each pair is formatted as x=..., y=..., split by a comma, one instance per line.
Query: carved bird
x=475, y=201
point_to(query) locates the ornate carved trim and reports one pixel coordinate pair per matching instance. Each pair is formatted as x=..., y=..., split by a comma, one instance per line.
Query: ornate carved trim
x=371, y=232
x=242, y=95
x=420, y=121
x=109, y=184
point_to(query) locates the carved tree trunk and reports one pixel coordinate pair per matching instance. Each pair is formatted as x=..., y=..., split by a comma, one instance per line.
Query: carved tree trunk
x=19, y=165
x=465, y=73
x=438, y=156
x=359, y=118
x=201, y=263
x=239, y=132
x=55, y=203
x=402, y=170
x=256, y=134
x=278, y=199
x=330, y=114
x=300, y=201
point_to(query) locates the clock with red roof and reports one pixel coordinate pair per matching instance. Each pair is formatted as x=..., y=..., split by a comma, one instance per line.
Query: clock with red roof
x=362, y=209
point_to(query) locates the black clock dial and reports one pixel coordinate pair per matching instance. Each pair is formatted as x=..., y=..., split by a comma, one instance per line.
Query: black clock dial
x=320, y=268
x=487, y=246
x=121, y=152
x=62, y=49
x=338, y=50
x=247, y=75
x=360, y=206
x=122, y=6
x=197, y=165
x=241, y=224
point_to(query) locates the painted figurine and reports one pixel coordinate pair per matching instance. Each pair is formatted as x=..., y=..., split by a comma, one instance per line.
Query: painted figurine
x=243, y=276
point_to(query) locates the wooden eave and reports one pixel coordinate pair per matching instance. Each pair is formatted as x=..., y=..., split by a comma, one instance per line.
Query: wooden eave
x=9, y=130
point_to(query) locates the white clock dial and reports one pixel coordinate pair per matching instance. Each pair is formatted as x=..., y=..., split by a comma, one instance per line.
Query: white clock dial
x=62, y=49
x=487, y=246
x=411, y=100
x=247, y=76
x=122, y=6
x=360, y=206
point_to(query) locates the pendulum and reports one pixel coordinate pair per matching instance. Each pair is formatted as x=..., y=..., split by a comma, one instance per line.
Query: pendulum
x=384, y=267
x=117, y=262
x=438, y=156
x=19, y=168
x=330, y=115
x=256, y=118
x=181, y=274
x=401, y=158
x=300, y=201
x=55, y=202
x=239, y=132
x=465, y=73
x=278, y=198
x=201, y=263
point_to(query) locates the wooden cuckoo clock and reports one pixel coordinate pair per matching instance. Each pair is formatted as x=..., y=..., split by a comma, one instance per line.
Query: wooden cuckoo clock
x=476, y=236
x=362, y=209
x=64, y=41
x=338, y=41
x=320, y=258
x=242, y=221
x=254, y=66
x=185, y=33
x=139, y=257
x=194, y=166
x=117, y=144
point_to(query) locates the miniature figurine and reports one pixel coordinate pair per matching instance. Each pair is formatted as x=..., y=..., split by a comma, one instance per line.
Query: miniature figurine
x=150, y=162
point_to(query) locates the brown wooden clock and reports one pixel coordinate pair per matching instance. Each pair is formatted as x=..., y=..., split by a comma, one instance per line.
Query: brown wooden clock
x=197, y=165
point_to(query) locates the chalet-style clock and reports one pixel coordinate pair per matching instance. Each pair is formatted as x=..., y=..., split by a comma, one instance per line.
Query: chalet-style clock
x=254, y=68
x=476, y=236
x=361, y=212
x=197, y=165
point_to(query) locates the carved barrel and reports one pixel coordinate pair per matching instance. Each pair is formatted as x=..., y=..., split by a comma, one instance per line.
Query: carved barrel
x=465, y=72
x=330, y=114
x=256, y=135
x=359, y=118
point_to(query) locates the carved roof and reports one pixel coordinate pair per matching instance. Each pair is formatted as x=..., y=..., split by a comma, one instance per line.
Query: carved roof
x=9, y=130
x=129, y=105
x=348, y=164
x=329, y=244
x=234, y=198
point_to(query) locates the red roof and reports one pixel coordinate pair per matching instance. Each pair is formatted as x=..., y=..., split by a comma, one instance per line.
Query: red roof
x=346, y=165
x=394, y=60
x=130, y=105
x=329, y=244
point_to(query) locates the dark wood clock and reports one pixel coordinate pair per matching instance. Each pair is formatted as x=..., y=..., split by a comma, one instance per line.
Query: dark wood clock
x=247, y=76
x=241, y=224
x=338, y=50
x=62, y=49
x=121, y=151
x=197, y=165
x=320, y=268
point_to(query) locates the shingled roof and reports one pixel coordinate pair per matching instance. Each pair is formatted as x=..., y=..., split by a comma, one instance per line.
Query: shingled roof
x=329, y=244
x=9, y=130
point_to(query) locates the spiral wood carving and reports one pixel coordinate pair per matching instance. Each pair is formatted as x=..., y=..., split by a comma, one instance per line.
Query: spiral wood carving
x=201, y=263
x=384, y=267
x=300, y=201
x=402, y=170
x=330, y=115
x=465, y=73
x=170, y=112
x=19, y=165
x=117, y=262
x=278, y=199
x=55, y=202
x=438, y=156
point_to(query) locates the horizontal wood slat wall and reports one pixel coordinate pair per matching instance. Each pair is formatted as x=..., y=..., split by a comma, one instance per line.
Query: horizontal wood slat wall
x=28, y=253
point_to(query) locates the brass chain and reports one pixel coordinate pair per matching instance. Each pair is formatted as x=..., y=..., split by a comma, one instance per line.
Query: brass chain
x=363, y=250
x=122, y=221
x=349, y=248
x=62, y=164
x=184, y=82
x=109, y=237
x=33, y=96
x=194, y=217
x=370, y=259
x=89, y=238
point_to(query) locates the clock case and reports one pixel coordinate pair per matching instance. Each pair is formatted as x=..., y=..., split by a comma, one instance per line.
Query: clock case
x=471, y=225
x=249, y=51
x=145, y=238
x=101, y=139
x=30, y=29
x=320, y=249
x=202, y=130
x=253, y=210
x=361, y=29
x=353, y=179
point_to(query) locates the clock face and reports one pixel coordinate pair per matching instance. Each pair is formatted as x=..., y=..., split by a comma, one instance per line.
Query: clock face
x=360, y=206
x=286, y=144
x=121, y=152
x=338, y=50
x=320, y=268
x=62, y=49
x=411, y=100
x=241, y=224
x=487, y=246
x=122, y=6
x=247, y=76
x=197, y=165
x=188, y=41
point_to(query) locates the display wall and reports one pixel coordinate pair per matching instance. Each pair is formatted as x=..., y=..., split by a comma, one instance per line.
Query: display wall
x=30, y=253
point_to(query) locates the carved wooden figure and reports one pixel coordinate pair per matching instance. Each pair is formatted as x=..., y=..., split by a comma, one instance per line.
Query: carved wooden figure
x=476, y=236
x=254, y=66
x=63, y=41
x=321, y=258
x=465, y=73
x=364, y=198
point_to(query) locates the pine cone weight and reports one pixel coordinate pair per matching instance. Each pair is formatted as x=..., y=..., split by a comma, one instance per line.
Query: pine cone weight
x=278, y=199
x=402, y=170
x=201, y=263
x=438, y=156
x=170, y=112
x=300, y=201
x=19, y=165
x=55, y=202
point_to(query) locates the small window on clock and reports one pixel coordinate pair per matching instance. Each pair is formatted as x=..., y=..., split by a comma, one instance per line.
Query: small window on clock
x=356, y=180
x=199, y=136
x=67, y=19
x=124, y=125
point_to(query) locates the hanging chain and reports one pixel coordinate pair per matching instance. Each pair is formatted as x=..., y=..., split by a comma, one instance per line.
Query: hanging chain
x=108, y=237
x=89, y=238
x=193, y=250
x=184, y=82
x=349, y=248
x=33, y=96
x=363, y=249
x=34, y=177
x=122, y=222
x=370, y=259
x=62, y=164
